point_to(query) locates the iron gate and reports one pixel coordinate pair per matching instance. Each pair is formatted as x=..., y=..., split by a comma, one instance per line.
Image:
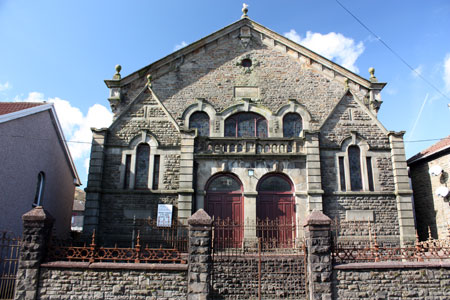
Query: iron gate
x=265, y=267
x=9, y=260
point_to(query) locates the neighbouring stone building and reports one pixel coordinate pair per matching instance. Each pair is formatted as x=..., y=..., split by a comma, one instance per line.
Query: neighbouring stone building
x=429, y=172
x=249, y=125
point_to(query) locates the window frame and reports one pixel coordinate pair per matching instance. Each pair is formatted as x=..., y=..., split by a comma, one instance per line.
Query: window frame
x=285, y=127
x=257, y=118
x=365, y=156
x=39, y=194
x=198, y=131
x=143, y=138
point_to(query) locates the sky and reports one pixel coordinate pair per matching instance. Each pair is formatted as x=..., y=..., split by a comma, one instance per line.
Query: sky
x=61, y=51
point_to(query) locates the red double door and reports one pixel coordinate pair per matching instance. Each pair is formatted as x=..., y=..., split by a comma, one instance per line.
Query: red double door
x=275, y=207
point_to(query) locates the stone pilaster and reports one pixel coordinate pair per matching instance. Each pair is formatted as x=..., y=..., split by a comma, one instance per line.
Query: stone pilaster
x=402, y=189
x=186, y=191
x=314, y=179
x=37, y=226
x=200, y=238
x=318, y=243
x=93, y=190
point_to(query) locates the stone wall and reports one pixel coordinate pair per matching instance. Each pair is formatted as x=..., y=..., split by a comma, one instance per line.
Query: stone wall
x=383, y=281
x=431, y=210
x=103, y=281
x=236, y=277
x=383, y=208
x=349, y=116
x=213, y=71
x=171, y=171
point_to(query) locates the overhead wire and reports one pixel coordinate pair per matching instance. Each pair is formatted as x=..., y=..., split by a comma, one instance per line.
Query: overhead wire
x=393, y=51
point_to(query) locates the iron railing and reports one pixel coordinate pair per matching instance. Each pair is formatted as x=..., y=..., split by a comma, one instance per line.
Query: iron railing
x=9, y=260
x=260, y=259
x=370, y=250
x=167, y=245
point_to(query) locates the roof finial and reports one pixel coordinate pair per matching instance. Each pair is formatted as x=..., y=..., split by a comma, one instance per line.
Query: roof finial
x=244, y=10
x=372, y=75
x=117, y=75
x=149, y=80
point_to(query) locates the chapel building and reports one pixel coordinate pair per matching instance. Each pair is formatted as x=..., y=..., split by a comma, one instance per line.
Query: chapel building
x=248, y=125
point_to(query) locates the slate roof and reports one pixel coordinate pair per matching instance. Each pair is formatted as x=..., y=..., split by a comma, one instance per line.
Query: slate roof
x=439, y=146
x=10, y=107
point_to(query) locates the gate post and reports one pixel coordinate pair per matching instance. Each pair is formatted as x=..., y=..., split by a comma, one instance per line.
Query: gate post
x=318, y=243
x=37, y=226
x=200, y=238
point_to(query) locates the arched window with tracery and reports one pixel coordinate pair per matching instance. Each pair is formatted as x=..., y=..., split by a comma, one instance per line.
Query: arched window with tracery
x=246, y=125
x=292, y=125
x=142, y=165
x=200, y=120
x=354, y=160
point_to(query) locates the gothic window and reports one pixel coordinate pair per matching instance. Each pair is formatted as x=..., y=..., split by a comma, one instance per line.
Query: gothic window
x=246, y=125
x=200, y=120
x=292, y=125
x=39, y=190
x=142, y=165
x=354, y=160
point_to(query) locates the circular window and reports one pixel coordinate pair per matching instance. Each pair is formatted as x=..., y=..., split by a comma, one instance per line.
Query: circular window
x=246, y=62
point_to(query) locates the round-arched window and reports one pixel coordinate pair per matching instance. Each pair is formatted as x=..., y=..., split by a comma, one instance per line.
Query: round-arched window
x=224, y=183
x=292, y=125
x=275, y=183
x=200, y=120
x=246, y=125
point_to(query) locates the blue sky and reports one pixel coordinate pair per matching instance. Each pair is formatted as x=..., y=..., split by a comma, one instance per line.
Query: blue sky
x=61, y=51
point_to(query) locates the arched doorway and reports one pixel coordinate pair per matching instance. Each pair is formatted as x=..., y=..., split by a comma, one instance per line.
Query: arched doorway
x=275, y=209
x=223, y=201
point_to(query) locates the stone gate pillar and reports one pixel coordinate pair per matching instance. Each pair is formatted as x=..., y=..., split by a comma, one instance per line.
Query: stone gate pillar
x=200, y=238
x=37, y=225
x=318, y=243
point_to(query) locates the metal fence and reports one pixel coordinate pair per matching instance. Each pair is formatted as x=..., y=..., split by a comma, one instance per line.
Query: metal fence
x=371, y=251
x=9, y=260
x=263, y=259
x=167, y=245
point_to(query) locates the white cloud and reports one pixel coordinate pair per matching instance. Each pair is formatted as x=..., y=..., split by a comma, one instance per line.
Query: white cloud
x=334, y=46
x=5, y=86
x=75, y=125
x=179, y=46
x=447, y=72
x=417, y=71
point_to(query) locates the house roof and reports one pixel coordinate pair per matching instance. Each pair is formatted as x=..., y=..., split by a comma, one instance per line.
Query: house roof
x=16, y=110
x=10, y=107
x=159, y=65
x=434, y=149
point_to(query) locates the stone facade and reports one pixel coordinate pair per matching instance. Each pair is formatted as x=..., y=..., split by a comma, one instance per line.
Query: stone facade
x=247, y=70
x=432, y=210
